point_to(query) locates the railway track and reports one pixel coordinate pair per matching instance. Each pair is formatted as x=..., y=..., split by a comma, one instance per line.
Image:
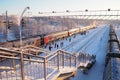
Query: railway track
x=73, y=43
x=112, y=61
x=89, y=41
x=84, y=47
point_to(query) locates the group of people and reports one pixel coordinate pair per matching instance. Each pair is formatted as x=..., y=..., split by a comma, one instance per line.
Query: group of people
x=55, y=45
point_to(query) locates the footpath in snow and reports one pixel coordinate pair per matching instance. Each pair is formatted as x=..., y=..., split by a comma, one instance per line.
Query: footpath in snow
x=99, y=48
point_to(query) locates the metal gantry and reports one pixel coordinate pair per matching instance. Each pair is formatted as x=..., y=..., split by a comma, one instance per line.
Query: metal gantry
x=108, y=14
x=7, y=23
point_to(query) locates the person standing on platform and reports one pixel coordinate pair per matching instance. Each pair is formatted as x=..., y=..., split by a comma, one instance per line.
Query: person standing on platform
x=57, y=46
x=50, y=47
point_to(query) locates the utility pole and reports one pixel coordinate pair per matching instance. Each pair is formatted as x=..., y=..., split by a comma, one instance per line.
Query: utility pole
x=8, y=24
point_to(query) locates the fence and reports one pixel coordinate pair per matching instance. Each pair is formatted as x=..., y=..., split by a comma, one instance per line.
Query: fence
x=33, y=67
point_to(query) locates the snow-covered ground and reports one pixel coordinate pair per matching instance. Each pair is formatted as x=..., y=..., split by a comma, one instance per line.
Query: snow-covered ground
x=94, y=42
x=99, y=48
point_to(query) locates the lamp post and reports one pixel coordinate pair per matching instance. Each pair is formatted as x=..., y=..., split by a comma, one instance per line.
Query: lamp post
x=20, y=25
x=6, y=25
x=21, y=55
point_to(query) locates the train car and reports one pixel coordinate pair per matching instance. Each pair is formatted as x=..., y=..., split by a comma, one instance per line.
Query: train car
x=25, y=41
x=48, y=39
x=111, y=70
x=55, y=36
x=60, y=35
x=86, y=28
x=37, y=42
x=73, y=31
x=112, y=62
x=83, y=30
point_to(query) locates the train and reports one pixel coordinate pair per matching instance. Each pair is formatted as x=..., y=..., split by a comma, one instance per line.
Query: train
x=40, y=40
x=63, y=34
x=16, y=43
x=112, y=61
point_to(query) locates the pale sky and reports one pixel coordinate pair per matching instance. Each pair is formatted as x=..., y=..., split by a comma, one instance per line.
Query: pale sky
x=17, y=6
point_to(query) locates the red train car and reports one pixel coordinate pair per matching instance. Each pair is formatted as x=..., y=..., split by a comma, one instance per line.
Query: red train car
x=37, y=42
x=55, y=36
x=48, y=39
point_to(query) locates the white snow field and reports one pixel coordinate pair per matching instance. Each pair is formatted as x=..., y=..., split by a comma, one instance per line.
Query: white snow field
x=99, y=48
x=94, y=42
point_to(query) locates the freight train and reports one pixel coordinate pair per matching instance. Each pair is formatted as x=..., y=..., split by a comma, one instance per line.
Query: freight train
x=40, y=40
x=112, y=63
